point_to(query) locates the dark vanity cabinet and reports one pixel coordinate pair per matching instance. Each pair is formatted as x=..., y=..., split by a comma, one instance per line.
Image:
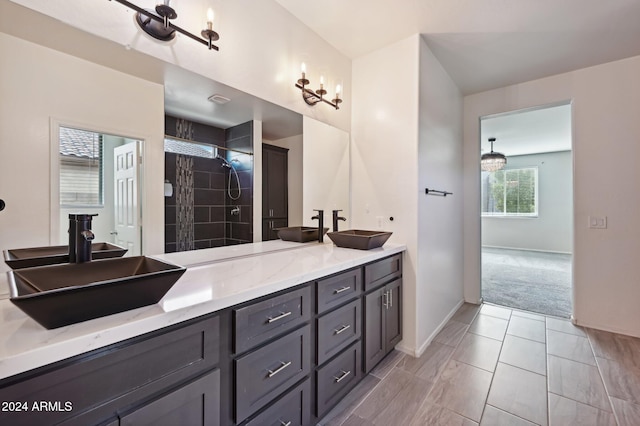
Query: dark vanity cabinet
x=382, y=309
x=339, y=331
x=152, y=379
x=283, y=359
x=272, y=345
x=275, y=203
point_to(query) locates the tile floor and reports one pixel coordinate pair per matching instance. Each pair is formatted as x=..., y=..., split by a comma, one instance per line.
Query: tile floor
x=495, y=366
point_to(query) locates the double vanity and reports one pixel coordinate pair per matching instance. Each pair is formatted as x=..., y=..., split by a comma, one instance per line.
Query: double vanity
x=271, y=333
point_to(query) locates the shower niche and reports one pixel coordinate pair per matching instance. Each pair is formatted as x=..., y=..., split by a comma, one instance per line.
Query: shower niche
x=208, y=185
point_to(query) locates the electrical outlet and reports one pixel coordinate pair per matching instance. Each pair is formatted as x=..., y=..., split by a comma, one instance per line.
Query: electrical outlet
x=598, y=222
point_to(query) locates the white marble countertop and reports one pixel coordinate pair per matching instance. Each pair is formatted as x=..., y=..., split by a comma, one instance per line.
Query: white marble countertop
x=214, y=280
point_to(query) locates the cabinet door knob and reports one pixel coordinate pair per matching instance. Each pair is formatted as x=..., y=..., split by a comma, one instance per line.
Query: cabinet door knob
x=342, y=376
x=342, y=329
x=385, y=299
x=279, y=317
x=279, y=369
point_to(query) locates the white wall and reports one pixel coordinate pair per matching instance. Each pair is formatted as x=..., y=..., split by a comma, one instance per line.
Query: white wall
x=294, y=168
x=606, y=131
x=261, y=47
x=440, y=236
x=37, y=84
x=406, y=135
x=325, y=172
x=552, y=229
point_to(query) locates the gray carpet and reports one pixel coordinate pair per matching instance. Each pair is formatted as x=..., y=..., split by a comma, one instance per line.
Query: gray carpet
x=528, y=280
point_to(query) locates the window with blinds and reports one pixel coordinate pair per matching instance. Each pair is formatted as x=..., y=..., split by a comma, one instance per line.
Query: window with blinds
x=81, y=168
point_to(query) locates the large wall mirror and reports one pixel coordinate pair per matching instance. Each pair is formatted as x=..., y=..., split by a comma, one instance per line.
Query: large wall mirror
x=316, y=166
x=120, y=96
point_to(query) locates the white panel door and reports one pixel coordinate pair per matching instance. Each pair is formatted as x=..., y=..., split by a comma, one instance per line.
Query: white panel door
x=127, y=204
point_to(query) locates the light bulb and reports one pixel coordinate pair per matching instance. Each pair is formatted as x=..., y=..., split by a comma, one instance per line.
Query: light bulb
x=210, y=18
x=303, y=68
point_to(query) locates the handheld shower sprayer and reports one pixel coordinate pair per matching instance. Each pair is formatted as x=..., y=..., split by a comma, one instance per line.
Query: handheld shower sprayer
x=232, y=171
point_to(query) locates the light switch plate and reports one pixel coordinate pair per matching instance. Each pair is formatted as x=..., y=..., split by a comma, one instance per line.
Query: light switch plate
x=598, y=222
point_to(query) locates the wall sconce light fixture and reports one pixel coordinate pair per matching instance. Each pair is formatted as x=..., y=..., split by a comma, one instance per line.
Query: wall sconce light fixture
x=156, y=24
x=311, y=97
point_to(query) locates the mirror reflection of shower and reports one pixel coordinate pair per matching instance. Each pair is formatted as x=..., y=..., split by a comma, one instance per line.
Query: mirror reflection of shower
x=232, y=172
x=210, y=170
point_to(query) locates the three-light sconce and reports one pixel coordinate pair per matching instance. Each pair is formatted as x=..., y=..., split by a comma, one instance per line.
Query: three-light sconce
x=157, y=24
x=313, y=97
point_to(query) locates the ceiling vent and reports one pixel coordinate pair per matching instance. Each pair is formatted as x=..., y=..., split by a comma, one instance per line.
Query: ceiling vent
x=219, y=99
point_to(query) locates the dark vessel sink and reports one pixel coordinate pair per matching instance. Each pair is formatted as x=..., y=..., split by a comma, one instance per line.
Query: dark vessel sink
x=60, y=295
x=359, y=239
x=299, y=234
x=41, y=256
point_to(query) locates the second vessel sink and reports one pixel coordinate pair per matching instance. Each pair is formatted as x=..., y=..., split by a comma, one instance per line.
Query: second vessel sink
x=359, y=239
x=51, y=255
x=60, y=295
x=299, y=234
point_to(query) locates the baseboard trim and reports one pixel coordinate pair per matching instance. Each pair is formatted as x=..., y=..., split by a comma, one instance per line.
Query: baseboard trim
x=587, y=324
x=528, y=249
x=418, y=352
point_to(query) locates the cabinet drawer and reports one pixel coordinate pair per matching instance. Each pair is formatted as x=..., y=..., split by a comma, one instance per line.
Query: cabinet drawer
x=337, y=378
x=256, y=323
x=194, y=404
x=337, y=330
x=265, y=373
x=99, y=383
x=382, y=271
x=293, y=409
x=338, y=289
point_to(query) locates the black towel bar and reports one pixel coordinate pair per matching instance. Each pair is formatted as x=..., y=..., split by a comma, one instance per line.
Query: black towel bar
x=436, y=192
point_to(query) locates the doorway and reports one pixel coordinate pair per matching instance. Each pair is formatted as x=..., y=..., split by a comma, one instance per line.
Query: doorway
x=527, y=211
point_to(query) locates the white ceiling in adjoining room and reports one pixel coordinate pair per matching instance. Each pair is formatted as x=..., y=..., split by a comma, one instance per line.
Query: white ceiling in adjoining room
x=484, y=44
x=532, y=131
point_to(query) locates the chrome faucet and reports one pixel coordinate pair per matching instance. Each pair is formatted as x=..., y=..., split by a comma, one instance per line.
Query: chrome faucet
x=336, y=218
x=80, y=237
x=320, y=217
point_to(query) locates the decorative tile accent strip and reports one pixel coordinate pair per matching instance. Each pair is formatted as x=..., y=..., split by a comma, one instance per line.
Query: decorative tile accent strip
x=184, y=203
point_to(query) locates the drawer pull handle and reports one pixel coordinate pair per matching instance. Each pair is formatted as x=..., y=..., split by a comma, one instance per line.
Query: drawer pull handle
x=279, y=317
x=342, y=376
x=341, y=329
x=279, y=369
x=285, y=424
x=340, y=290
x=385, y=300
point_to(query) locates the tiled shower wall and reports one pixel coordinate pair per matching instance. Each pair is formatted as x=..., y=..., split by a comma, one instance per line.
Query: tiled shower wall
x=199, y=213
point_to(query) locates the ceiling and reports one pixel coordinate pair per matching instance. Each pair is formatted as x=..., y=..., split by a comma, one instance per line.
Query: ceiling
x=531, y=131
x=484, y=44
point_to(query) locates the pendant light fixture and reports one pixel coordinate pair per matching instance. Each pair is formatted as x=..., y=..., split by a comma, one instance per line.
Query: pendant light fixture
x=492, y=161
